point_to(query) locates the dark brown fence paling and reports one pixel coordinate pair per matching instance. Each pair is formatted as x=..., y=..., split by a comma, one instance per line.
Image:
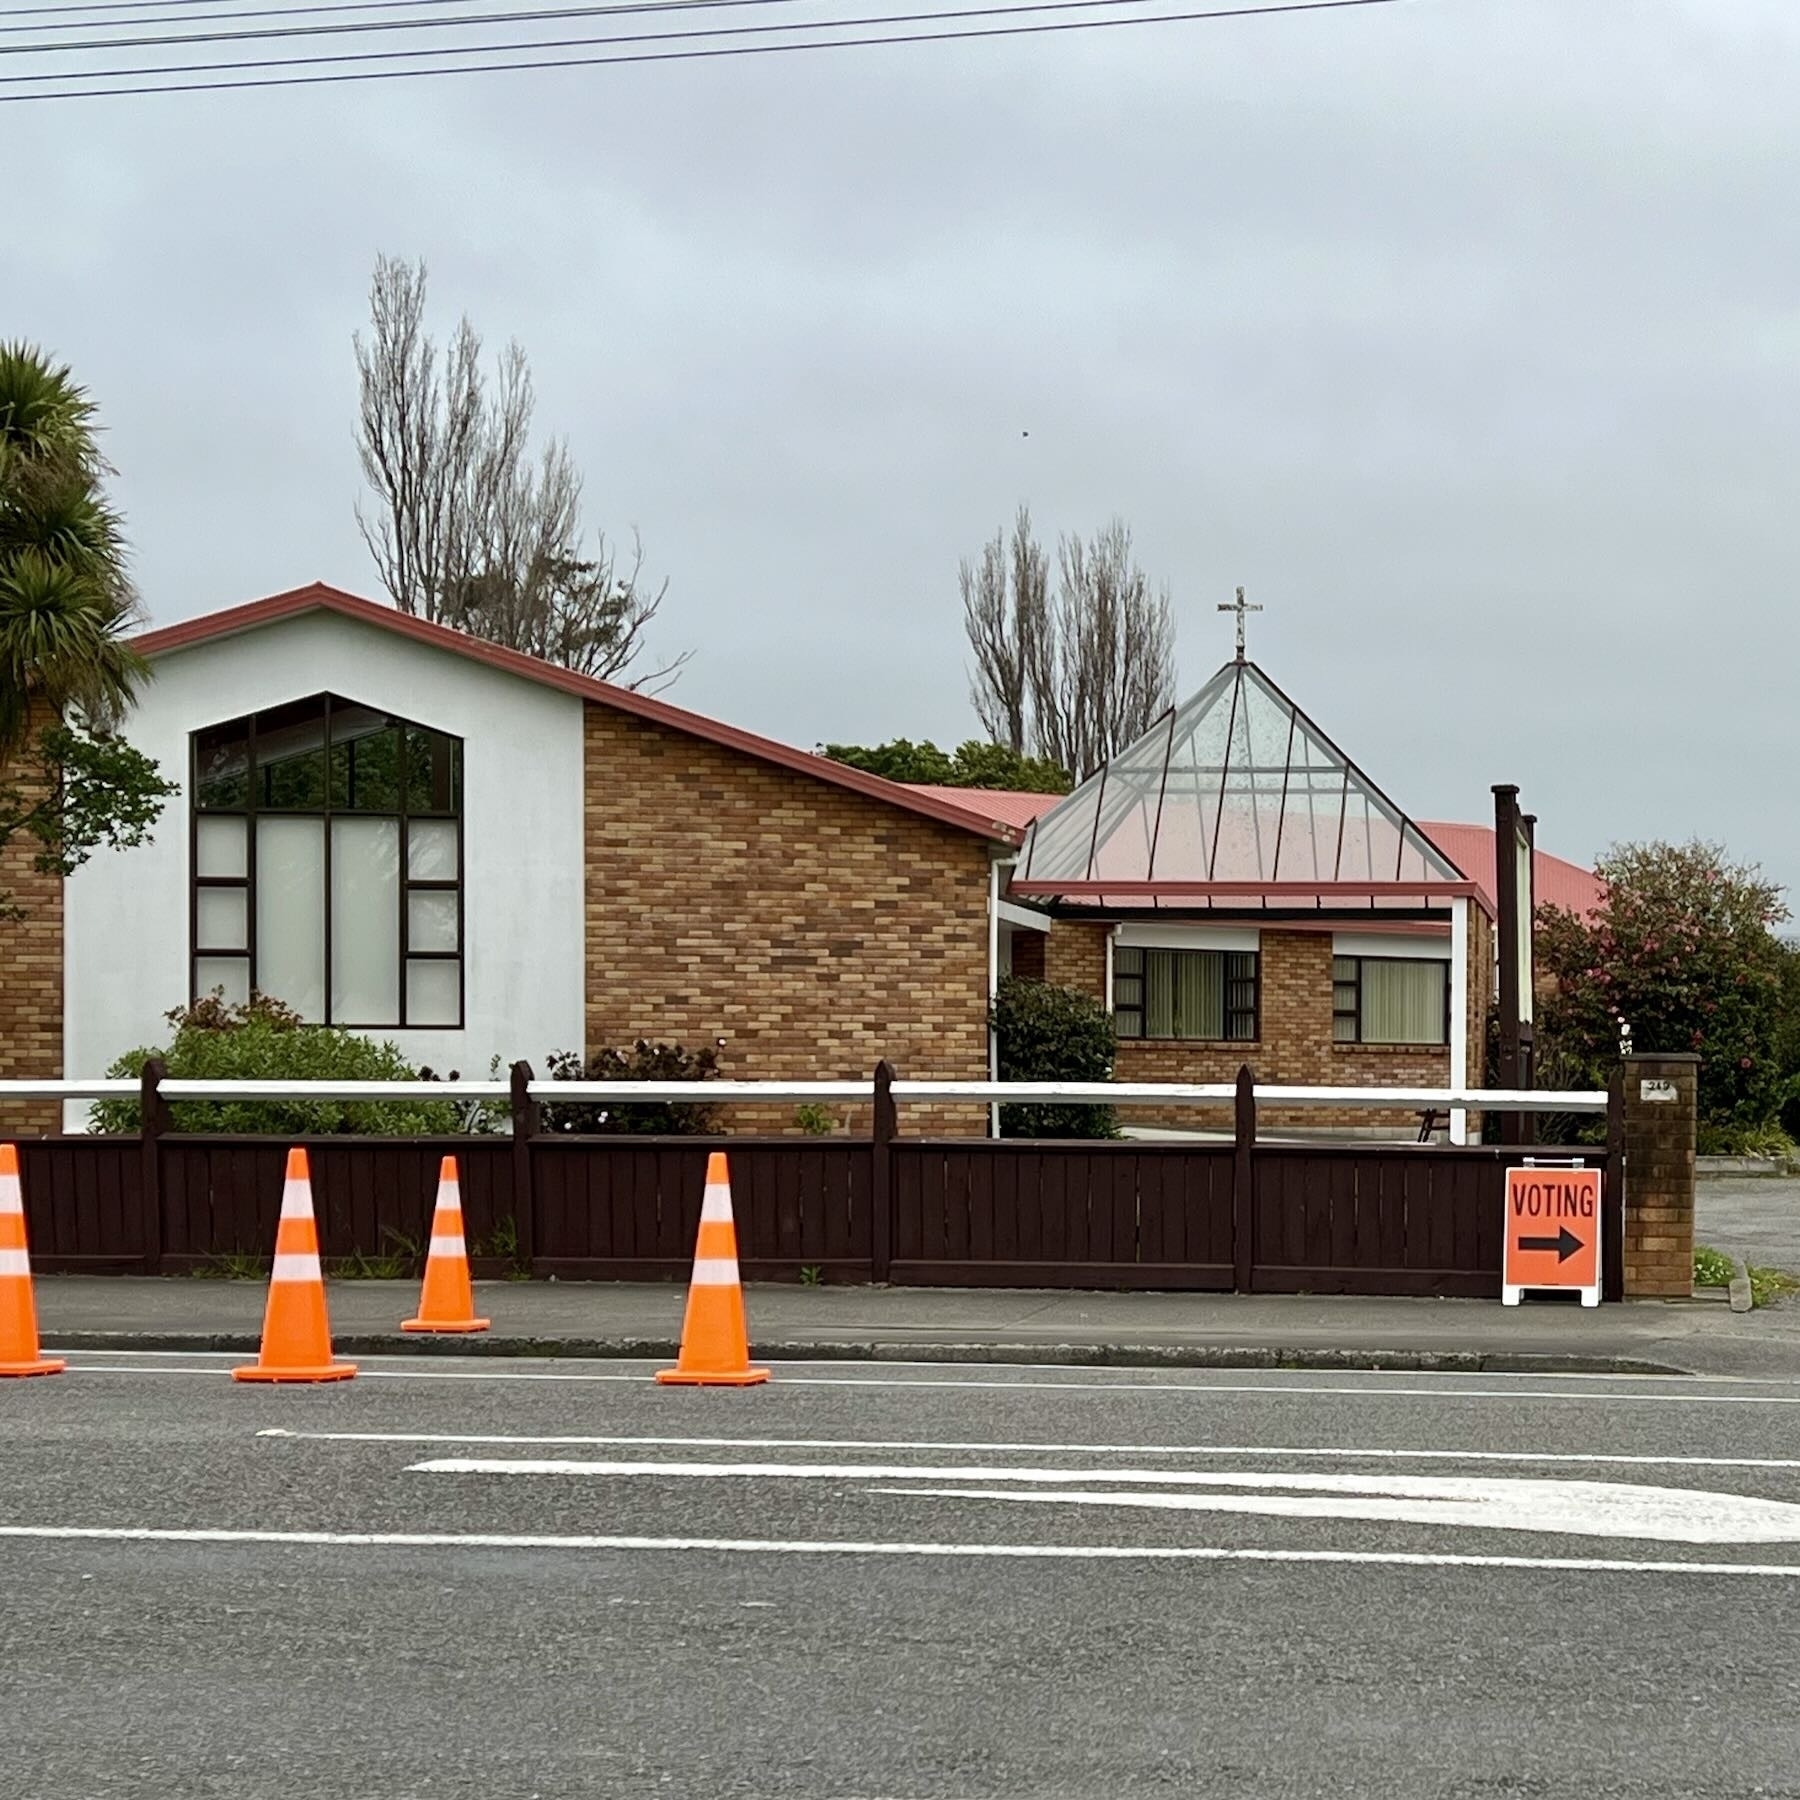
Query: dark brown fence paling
x=984, y=1212
x=1612, y=1245
x=625, y=1208
x=526, y=1118
x=1322, y=1218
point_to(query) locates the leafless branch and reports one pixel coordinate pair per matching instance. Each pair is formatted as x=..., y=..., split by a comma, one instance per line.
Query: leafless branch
x=469, y=530
x=1077, y=680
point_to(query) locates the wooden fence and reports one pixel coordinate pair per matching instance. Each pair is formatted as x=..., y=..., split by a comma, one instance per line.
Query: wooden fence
x=1242, y=1214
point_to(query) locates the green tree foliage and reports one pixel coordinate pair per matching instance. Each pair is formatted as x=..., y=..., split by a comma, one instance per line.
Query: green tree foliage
x=1049, y=1033
x=972, y=765
x=1683, y=949
x=1787, y=1042
x=265, y=1041
x=642, y=1062
x=73, y=792
x=65, y=606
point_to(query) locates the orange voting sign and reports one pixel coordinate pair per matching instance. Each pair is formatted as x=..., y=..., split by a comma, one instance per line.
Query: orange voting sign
x=1552, y=1232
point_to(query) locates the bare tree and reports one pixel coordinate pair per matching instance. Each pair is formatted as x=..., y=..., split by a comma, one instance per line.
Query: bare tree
x=1005, y=610
x=1074, y=681
x=1109, y=668
x=469, y=530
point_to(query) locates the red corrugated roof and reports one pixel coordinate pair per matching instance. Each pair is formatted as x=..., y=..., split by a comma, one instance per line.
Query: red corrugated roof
x=1015, y=809
x=1557, y=882
x=966, y=813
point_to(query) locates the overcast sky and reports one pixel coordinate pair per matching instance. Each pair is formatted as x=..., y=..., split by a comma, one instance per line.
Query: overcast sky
x=1465, y=333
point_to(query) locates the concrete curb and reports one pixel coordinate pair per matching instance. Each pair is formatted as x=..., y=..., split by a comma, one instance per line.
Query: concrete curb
x=1098, y=1356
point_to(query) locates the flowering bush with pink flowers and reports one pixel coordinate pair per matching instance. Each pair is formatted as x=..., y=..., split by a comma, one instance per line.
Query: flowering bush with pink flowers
x=1683, y=948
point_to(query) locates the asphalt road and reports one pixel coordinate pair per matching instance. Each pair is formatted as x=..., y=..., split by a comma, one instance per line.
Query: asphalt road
x=462, y=1579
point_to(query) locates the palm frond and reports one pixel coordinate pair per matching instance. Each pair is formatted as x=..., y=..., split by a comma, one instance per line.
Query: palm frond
x=60, y=643
x=45, y=414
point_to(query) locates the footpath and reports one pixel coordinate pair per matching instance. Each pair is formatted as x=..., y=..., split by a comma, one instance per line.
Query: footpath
x=602, y=1319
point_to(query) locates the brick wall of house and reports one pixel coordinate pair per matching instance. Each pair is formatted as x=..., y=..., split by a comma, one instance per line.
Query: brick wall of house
x=814, y=929
x=31, y=986
x=1295, y=1046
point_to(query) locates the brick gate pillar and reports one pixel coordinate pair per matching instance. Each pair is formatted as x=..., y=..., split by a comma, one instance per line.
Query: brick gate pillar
x=1661, y=1095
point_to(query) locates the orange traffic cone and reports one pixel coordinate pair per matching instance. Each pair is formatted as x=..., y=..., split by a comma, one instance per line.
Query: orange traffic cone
x=18, y=1310
x=448, y=1302
x=296, y=1337
x=715, y=1349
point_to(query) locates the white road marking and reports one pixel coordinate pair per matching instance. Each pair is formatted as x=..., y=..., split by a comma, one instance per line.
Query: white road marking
x=1342, y=1453
x=428, y=1540
x=1700, y=1397
x=1566, y=1508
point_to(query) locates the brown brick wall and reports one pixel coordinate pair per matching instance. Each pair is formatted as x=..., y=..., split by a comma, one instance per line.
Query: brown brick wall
x=1659, y=1178
x=31, y=992
x=815, y=930
x=1295, y=1047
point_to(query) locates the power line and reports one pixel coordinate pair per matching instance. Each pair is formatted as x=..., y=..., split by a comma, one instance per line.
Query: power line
x=382, y=25
x=713, y=52
x=96, y=6
x=300, y=9
x=637, y=37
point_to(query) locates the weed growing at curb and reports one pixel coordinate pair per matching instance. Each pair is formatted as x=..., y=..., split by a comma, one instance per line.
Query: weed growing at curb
x=1712, y=1268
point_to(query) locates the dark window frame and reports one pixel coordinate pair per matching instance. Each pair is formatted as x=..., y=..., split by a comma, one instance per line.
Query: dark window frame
x=1352, y=1014
x=404, y=817
x=1238, y=1008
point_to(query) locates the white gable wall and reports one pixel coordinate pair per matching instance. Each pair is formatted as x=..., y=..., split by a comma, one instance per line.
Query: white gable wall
x=126, y=937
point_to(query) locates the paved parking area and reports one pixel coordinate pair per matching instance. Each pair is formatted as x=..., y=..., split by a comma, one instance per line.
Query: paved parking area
x=1756, y=1217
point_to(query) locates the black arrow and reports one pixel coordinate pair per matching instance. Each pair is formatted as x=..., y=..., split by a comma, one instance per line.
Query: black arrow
x=1565, y=1244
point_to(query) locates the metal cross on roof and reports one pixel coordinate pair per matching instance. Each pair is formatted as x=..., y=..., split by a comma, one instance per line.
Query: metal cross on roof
x=1241, y=607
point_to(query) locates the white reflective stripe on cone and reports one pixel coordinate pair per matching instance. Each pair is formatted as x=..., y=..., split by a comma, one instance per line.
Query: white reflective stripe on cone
x=715, y=1209
x=296, y=1265
x=715, y=1271
x=296, y=1200
x=14, y=1262
x=11, y=1199
x=446, y=1245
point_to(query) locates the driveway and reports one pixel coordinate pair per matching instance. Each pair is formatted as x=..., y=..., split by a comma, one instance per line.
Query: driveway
x=1756, y=1217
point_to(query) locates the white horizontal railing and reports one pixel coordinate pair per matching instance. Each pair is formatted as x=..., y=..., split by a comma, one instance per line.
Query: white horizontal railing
x=109, y=1089
x=774, y=1092
x=173, y=1089
x=1131, y=1093
x=984, y=1093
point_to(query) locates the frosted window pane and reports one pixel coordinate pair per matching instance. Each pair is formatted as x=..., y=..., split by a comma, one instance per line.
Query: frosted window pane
x=1403, y=1002
x=431, y=851
x=365, y=921
x=290, y=913
x=222, y=918
x=432, y=996
x=431, y=922
x=219, y=847
x=232, y=973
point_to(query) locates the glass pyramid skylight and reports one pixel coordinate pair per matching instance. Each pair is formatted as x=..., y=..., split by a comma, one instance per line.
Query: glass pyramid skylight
x=1234, y=792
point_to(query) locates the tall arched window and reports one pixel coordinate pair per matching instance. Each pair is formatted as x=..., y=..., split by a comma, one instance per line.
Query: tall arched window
x=327, y=864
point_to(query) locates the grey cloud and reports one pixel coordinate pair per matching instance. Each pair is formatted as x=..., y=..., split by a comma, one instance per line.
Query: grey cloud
x=1464, y=332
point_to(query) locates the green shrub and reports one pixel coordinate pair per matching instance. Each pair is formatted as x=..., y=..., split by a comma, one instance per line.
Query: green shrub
x=1767, y=1143
x=1048, y=1033
x=642, y=1062
x=266, y=1041
x=815, y=1120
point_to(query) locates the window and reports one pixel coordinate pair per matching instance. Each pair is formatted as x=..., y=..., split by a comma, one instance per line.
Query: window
x=1192, y=994
x=327, y=864
x=1389, y=1000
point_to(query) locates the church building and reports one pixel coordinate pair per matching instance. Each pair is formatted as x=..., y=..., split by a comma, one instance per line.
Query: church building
x=398, y=828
